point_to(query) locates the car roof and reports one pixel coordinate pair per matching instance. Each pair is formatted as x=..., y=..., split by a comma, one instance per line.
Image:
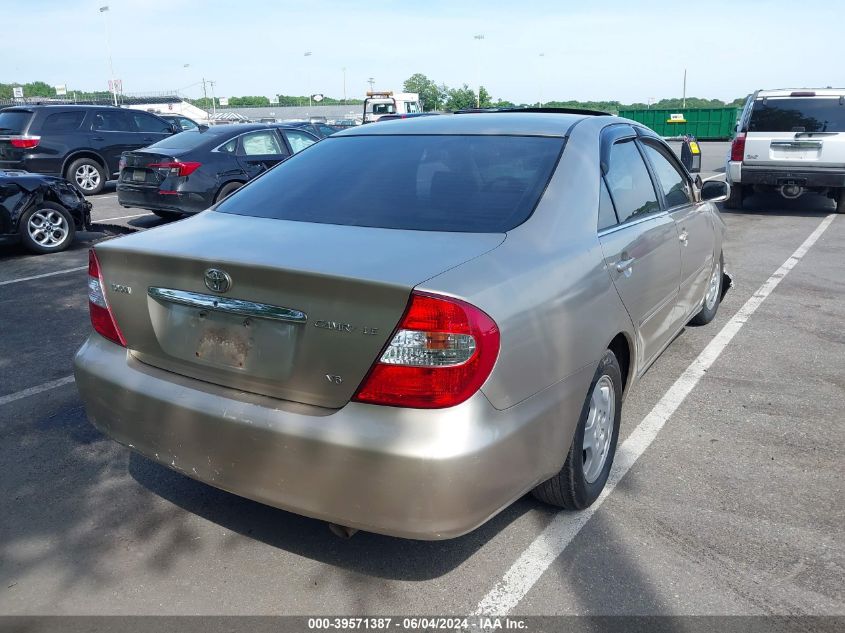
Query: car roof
x=481, y=123
x=788, y=92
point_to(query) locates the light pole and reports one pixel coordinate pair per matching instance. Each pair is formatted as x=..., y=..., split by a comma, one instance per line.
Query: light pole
x=372, y=83
x=308, y=77
x=344, y=85
x=540, y=102
x=478, y=38
x=104, y=10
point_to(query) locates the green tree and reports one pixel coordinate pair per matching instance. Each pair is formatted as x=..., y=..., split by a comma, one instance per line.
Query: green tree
x=484, y=98
x=432, y=96
x=460, y=98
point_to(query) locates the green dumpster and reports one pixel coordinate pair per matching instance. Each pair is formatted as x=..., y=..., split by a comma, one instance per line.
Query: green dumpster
x=703, y=123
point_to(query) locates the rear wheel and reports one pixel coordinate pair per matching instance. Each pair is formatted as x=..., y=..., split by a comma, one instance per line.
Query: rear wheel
x=712, y=299
x=167, y=215
x=227, y=189
x=87, y=175
x=587, y=466
x=48, y=228
x=734, y=200
x=840, y=200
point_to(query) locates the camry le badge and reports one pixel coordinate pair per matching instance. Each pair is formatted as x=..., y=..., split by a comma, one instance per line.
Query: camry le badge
x=217, y=280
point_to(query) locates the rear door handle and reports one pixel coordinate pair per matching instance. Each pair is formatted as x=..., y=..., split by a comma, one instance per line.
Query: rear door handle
x=149, y=139
x=624, y=264
x=684, y=237
x=97, y=138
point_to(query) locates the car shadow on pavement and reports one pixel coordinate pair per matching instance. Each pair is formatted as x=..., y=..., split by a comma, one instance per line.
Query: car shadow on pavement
x=365, y=553
x=809, y=205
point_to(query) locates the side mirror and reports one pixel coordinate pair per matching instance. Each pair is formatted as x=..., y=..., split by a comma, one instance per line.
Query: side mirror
x=715, y=191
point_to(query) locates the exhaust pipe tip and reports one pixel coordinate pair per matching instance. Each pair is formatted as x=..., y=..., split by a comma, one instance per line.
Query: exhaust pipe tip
x=342, y=531
x=791, y=192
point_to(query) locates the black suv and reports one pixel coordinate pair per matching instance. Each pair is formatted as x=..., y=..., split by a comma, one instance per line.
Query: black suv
x=82, y=143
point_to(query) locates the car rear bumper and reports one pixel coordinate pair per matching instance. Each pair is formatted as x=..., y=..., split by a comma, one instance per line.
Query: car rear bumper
x=403, y=472
x=152, y=199
x=777, y=176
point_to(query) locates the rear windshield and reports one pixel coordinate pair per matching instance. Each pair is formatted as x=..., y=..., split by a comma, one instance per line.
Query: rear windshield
x=475, y=184
x=13, y=122
x=189, y=139
x=814, y=114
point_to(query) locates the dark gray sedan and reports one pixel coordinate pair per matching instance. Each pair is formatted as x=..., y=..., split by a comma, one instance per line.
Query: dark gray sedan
x=450, y=323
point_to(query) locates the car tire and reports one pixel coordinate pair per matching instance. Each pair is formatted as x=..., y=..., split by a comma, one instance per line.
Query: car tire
x=840, y=201
x=87, y=175
x=47, y=228
x=583, y=476
x=736, y=196
x=712, y=298
x=167, y=215
x=228, y=188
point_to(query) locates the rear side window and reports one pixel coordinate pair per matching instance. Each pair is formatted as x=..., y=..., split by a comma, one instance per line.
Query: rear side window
x=298, y=140
x=264, y=143
x=809, y=114
x=607, y=214
x=148, y=123
x=629, y=183
x=675, y=187
x=477, y=184
x=14, y=122
x=63, y=121
x=111, y=121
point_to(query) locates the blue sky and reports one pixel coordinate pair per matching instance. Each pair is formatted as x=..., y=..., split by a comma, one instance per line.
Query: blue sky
x=630, y=51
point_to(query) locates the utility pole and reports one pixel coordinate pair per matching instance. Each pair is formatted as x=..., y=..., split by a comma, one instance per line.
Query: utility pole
x=685, y=88
x=372, y=83
x=540, y=103
x=308, y=54
x=204, y=94
x=344, y=85
x=213, y=100
x=104, y=10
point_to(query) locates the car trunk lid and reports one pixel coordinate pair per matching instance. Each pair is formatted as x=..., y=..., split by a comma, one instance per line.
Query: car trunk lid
x=141, y=168
x=13, y=125
x=309, y=308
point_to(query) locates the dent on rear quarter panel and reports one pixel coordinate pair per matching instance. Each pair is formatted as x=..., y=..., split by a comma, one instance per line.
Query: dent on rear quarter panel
x=546, y=286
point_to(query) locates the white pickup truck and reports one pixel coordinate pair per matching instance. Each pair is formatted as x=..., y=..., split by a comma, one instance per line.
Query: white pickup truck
x=377, y=104
x=790, y=141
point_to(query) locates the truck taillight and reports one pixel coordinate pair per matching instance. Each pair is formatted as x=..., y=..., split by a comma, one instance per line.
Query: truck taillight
x=177, y=168
x=25, y=142
x=441, y=353
x=738, y=147
x=102, y=318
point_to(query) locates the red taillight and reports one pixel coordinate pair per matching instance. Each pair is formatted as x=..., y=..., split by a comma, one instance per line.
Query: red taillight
x=25, y=142
x=440, y=354
x=101, y=316
x=177, y=168
x=738, y=147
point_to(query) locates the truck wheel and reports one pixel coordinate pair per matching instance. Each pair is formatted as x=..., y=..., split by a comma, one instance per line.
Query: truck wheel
x=734, y=200
x=840, y=201
x=587, y=466
x=47, y=228
x=87, y=175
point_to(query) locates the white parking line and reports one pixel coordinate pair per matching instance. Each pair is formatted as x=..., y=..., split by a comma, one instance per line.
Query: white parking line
x=551, y=542
x=58, y=272
x=34, y=390
x=123, y=217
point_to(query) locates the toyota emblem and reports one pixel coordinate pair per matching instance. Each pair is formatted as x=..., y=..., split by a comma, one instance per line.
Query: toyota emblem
x=217, y=280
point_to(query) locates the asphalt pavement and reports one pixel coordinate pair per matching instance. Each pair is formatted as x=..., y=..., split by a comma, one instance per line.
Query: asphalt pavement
x=734, y=506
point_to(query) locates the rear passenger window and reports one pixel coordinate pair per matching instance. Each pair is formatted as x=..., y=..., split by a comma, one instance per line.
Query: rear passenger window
x=111, y=121
x=264, y=143
x=607, y=214
x=629, y=183
x=298, y=140
x=149, y=123
x=674, y=184
x=63, y=121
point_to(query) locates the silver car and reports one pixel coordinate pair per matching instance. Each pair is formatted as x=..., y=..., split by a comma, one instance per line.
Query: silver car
x=409, y=325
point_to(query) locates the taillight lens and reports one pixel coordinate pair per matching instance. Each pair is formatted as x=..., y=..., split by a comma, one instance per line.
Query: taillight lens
x=101, y=315
x=25, y=142
x=440, y=354
x=177, y=168
x=738, y=147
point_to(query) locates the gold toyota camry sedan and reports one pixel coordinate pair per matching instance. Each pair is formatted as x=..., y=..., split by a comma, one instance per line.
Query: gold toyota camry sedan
x=409, y=325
